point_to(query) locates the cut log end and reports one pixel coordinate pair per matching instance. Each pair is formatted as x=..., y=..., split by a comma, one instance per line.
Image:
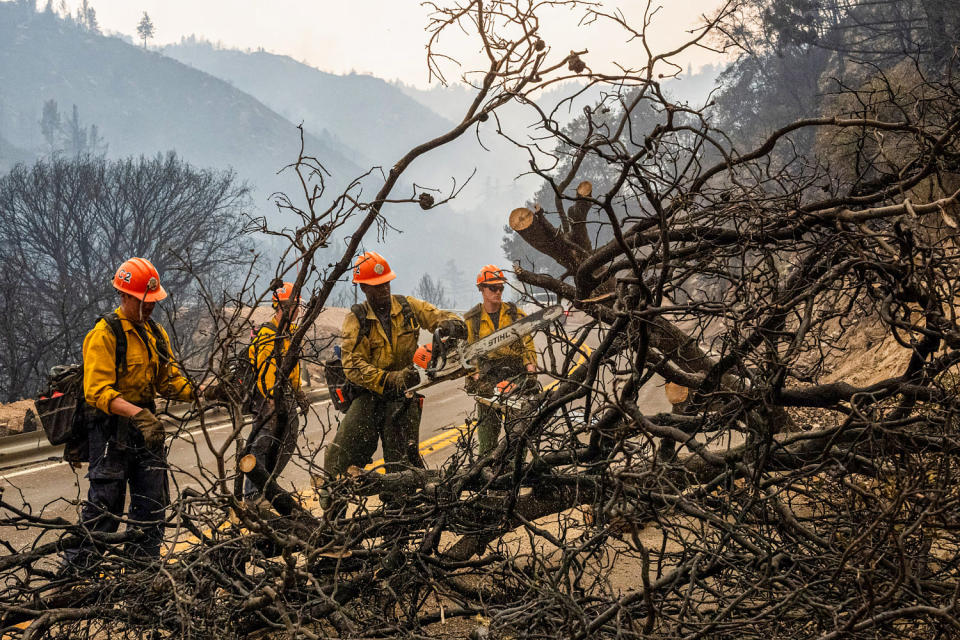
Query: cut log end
x=354, y=471
x=248, y=463
x=585, y=189
x=676, y=393
x=521, y=219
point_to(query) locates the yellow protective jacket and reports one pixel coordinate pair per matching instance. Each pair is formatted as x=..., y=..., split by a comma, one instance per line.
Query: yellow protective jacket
x=522, y=349
x=265, y=364
x=145, y=377
x=367, y=359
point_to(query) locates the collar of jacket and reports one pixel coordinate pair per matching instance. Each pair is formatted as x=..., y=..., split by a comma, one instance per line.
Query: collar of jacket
x=272, y=326
x=395, y=308
x=125, y=319
x=498, y=312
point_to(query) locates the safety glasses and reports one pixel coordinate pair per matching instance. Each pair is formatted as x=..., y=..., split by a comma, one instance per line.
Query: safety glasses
x=494, y=287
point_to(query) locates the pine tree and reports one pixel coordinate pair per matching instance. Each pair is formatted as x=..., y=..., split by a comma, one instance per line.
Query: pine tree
x=145, y=29
x=87, y=17
x=50, y=124
x=93, y=26
x=96, y=145
x=74, y=135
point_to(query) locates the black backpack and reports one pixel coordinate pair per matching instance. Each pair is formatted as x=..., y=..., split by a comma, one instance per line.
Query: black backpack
x=241, y=373
x=342, y=391
x=63, y=411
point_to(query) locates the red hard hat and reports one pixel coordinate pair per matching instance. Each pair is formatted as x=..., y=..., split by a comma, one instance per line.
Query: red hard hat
x=139, y=278
x=423, y=355
x=491, y=274
x=283, y=293
x=372, y=268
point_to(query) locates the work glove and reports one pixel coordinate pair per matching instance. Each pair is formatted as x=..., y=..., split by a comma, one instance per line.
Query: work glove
x=303, y=402
x=453, y=328
x=151, y=428
x=214, y=392
x=478, y=386
x=529, y=384
x=472, y=385
x=400, y=380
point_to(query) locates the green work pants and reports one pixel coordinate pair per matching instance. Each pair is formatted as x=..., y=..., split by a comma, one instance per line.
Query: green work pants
x=489, y=422
x=372, y=417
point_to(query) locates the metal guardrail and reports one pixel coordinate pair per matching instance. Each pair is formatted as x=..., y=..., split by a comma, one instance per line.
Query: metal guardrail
x=30, y=448
x=24, y=448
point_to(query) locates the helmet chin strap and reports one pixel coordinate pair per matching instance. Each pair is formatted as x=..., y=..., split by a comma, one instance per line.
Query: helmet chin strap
x=140, y=302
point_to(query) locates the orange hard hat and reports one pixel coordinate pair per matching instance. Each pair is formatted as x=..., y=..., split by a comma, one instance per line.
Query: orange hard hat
x=139, y=278
x=372, y=268
x=491, y=274
x=283, y=293
x=423, y=355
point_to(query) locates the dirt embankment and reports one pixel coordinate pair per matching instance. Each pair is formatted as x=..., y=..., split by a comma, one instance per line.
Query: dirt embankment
x=868, y=354
x=12, y=415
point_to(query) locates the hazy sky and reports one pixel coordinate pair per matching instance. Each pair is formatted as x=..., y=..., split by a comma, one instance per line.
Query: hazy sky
x=383, y=37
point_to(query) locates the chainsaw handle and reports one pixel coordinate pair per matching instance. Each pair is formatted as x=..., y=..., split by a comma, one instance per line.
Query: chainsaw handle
x=438, y=353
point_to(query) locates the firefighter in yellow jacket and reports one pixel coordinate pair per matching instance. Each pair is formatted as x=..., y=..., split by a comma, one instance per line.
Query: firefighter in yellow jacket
x=126, y=364
x=276, y=426
x=378, y=348
x=509, y=362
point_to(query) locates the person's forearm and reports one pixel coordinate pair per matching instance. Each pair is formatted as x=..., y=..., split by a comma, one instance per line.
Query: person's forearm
x=120, y=407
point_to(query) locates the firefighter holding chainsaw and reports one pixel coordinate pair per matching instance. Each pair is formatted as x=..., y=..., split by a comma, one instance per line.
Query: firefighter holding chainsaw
x=516, y=361
x=379, y=339
x=126, y=364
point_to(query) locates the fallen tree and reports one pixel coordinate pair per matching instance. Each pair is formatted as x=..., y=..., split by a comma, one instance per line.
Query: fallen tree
x=776, y=499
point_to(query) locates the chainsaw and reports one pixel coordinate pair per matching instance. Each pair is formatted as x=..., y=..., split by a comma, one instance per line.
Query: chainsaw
x=447, y=359
x=509, y=397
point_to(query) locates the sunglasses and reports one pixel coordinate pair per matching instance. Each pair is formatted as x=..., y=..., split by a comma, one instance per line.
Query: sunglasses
x=494, y=287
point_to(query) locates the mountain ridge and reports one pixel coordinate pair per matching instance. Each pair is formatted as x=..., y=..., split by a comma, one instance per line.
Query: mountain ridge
x=355, y=116
x=144, y=103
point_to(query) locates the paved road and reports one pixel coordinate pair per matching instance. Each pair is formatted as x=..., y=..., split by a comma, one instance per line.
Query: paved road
x=55, y=489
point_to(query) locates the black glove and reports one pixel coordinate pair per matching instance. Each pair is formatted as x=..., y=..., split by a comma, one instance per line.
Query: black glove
x=479, y=387
x=529, y=384
x=303, y=402
x=214, y=392
x=453, y=328
x=151, y=428
x=471, y=386
x=401, y=380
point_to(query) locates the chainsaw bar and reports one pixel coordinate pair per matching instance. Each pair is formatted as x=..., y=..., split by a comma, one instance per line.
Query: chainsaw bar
x=459, y=358
x=511, y=333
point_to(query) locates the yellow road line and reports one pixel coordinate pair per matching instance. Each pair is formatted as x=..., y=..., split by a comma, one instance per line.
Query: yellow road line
x=308, y=499
x=584, y=353
x=428, y=446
